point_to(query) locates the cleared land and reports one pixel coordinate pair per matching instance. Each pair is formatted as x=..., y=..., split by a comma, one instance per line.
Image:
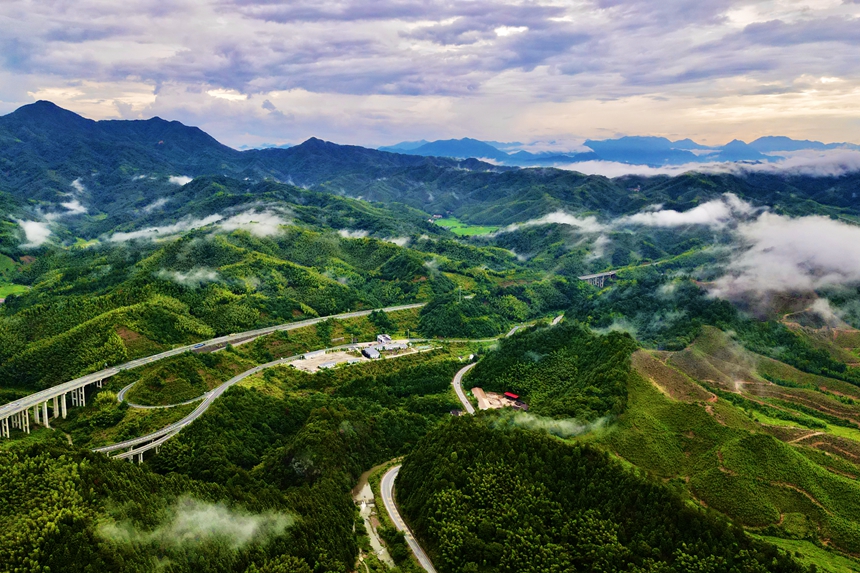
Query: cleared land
x=772, y=447
x=464, y=229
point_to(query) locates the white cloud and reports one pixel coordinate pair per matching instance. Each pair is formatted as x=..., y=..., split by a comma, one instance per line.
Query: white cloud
x=74, y=207
x=179, y=179
x=35, y=232
x=827, y=163
x=194, y=522
x=588, y=224
x=157, y=204
x=260, y=224
x=175, y=228
x=399, y=241
x=715, y=213
x=78, y=186
x=782, y=254
x=348, y=234
x=192, y=279
x=229, y=95
x=598, y=247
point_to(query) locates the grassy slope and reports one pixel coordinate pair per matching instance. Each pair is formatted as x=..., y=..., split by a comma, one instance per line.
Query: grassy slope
x=728, y=458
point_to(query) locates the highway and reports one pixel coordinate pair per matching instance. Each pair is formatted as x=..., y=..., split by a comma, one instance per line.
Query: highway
x=387, y=487
x=457, y=383
x=43, y=396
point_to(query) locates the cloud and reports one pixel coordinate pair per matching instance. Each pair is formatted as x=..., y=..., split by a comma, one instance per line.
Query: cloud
x=783, y=254
x=78, y=186
x=348, y=234
x=192, y=523
x=828, y=163
x=179, y=179
x=588, y=224
x=74, y=207
x=358, y=71
x=36, y=233
x=715, y=213
x=192, y=279
x=399, y=241
x=598, y=247
x=157, y=232
x=157, y=204
x=567, y=428
x=259, y=224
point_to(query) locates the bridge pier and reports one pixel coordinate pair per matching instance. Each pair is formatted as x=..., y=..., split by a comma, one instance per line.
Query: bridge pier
x=56, y=407
x=36, y=414
x=4, y=427
x=74, y=394
x=83, y=396
x=45, y=415
x=63, y=408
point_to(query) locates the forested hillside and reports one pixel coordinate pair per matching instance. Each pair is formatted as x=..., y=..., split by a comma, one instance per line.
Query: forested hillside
x=674, y=424
x=490, y=499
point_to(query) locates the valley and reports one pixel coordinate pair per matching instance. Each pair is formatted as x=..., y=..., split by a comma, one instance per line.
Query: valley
x=687, y=353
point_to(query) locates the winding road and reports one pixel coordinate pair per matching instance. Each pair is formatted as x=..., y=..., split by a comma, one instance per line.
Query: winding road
x=457, y=383
x=37, y=398
x=387, y=487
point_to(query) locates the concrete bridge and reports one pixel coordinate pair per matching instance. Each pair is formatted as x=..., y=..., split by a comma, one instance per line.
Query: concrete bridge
x=49, y=404
x=598, y=279
x=53, y=403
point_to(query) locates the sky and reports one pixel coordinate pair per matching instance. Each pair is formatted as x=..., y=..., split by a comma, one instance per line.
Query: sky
x=379, y=72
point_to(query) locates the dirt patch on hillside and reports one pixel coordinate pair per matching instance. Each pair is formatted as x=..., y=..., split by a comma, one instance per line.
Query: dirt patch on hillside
x=668, y=380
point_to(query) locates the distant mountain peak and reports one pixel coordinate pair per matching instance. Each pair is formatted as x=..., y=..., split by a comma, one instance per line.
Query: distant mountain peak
x=43, y=110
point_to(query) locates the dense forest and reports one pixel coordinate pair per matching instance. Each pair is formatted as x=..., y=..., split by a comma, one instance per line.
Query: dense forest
x=491, y=499
x=261, y=481
x=563, y=371
x=686, y=416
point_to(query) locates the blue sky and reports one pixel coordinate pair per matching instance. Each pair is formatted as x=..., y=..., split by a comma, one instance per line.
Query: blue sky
x=374, y=73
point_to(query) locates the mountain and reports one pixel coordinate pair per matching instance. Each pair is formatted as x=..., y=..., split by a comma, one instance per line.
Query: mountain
x=112, y=173
x=641, y=150
x=782, y=143
x=688, y=144
x=738, y=150
x=462, y=148
x=404, y=146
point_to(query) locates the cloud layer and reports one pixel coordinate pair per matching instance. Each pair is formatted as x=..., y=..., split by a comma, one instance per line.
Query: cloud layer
x=374, y=73
x=715, y=213
x=782, y=254
x=830, y=163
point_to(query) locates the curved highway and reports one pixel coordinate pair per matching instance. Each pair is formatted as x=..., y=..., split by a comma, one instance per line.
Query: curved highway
x=457, y=383
x=387, y=487
x=43, y=396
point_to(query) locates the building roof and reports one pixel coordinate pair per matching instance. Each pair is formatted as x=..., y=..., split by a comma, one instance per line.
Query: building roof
x=512, y=395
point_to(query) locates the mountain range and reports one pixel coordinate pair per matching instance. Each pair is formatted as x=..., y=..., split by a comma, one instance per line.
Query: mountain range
x=84, y=178
x=633, y=150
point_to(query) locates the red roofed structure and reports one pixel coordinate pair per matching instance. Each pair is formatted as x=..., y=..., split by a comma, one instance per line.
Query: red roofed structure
x=511, y=396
